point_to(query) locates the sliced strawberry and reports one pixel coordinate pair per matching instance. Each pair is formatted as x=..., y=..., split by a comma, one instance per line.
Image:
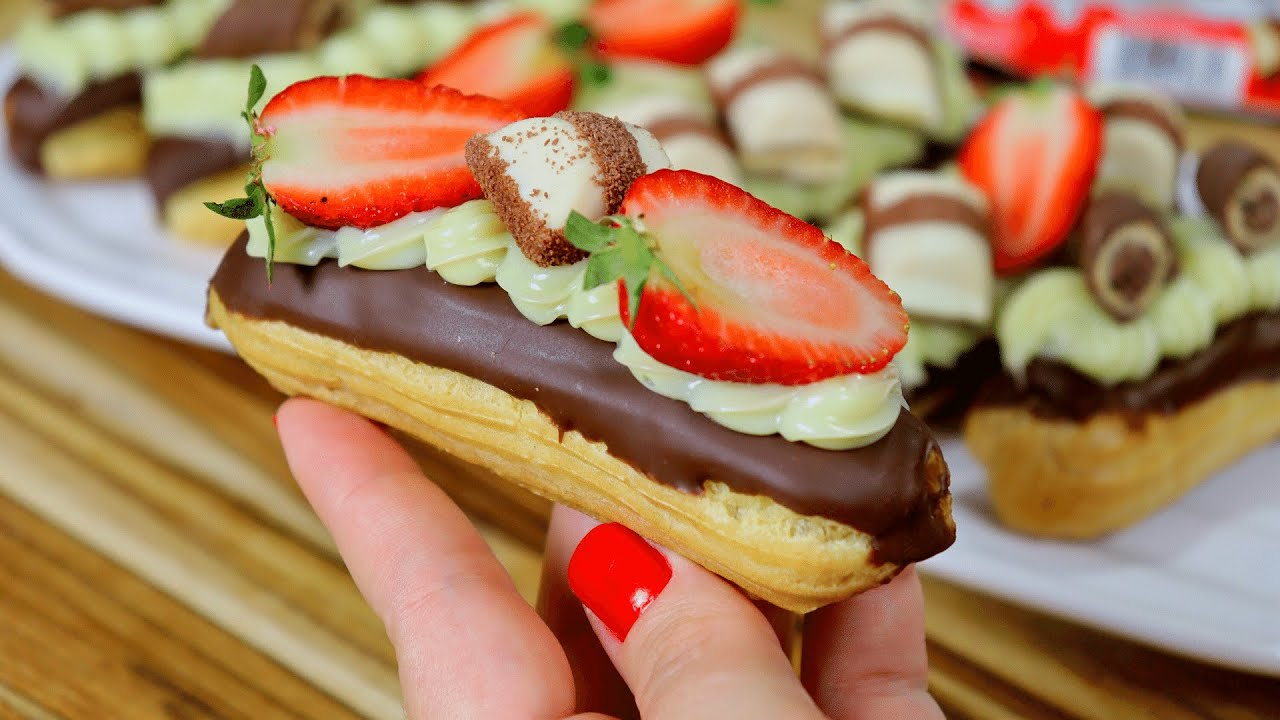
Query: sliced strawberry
x=679, y=31
x=360, y=151
x=734, y=289
x=1034, y=154
x=513, y=60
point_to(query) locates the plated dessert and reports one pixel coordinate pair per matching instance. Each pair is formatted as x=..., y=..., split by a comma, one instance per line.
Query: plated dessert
x=544, y=297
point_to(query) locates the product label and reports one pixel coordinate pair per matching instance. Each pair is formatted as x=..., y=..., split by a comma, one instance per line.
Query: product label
x=1212, y=53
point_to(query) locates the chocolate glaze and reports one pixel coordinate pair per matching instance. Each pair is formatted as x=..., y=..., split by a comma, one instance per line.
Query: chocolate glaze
x=176, y=162
x=261, y=27
x=33, y=113
x=947, y=395
x=1247, y=349
x=894, y=489
x=1148, y=113
x=62, y=8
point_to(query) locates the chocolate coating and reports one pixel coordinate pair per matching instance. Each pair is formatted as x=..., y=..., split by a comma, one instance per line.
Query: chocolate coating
x=1247, y=349
x=176, y=162
x=62, y=8
x=261, y=27
x=894, y=489
x=1146, y=112
x=33, y=113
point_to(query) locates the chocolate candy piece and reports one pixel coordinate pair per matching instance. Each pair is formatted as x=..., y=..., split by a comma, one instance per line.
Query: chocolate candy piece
x=882, y=62
x=1264, y=38
x=1126, y=253
x=783, y=120
x=687, y=132
x=1240, y=187
x=1142, y=145
x=927, y=235
x=261, y=27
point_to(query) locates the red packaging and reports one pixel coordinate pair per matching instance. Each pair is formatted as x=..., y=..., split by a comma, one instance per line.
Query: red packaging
x=1222, y=54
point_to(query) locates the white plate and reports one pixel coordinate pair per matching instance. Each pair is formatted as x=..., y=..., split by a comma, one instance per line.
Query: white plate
x=1201, y=578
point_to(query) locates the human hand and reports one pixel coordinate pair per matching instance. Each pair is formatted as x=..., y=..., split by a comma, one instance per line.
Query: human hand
x=469, y=646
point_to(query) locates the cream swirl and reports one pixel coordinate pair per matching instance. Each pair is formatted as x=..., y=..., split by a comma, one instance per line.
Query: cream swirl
x=546, y=294
x=1264, y=277
x=1053, y=315
x=839, y=413
x=67, y=54
x=467, y=243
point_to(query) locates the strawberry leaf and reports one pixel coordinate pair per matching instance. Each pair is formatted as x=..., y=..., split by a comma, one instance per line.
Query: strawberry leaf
x=257, y=201
x=618, y=251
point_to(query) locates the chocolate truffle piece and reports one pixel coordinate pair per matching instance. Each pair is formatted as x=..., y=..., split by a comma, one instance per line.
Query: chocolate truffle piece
x=536, y=171
x=1142, y=144
x=1240, y=188
x=1127, y=254
x=783, y=121
x=927, y=235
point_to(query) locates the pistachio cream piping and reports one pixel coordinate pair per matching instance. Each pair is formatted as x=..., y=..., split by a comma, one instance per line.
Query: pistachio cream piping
x=67, y=54
x=466, y=245
x=1053, y=315
x=1264, y=277
x=205, y=97
x=839, y=413
x=932, y=344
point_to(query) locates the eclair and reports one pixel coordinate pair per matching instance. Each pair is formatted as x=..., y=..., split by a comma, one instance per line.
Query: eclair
x=546, y=298
x=73, y=112
x=201, y=150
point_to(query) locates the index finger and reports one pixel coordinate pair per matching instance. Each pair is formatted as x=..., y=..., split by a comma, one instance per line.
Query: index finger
x=467, y=644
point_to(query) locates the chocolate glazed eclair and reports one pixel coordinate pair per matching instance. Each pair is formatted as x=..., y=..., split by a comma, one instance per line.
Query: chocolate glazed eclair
x=550, y=409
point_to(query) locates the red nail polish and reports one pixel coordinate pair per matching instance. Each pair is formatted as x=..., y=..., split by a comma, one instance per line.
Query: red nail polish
x=275, y=421
x=616, y=574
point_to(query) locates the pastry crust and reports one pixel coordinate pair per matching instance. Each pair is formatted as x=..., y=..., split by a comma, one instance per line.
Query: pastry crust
x=185, y=216
x=1066, y=479
x=793, y=561
x=112, y=144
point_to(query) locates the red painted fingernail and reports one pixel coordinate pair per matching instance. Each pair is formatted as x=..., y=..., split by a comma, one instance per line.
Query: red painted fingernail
x=616, y=574
x=275, y=421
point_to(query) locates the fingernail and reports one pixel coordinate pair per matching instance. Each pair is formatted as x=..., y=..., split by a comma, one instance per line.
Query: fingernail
x=616, y=574
x=275, y=421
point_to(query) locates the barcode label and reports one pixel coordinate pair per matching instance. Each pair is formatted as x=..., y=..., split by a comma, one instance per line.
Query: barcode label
x=1187, y=69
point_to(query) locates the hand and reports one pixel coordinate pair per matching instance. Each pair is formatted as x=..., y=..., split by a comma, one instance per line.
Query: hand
x=468, y=646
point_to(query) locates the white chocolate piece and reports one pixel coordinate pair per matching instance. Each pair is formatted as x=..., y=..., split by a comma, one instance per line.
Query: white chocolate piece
x=555, y=183
x=686, y=147
x=704, y=154
x=942, y=267
x=784, y=124
x=883, y=71
x=1137, y=156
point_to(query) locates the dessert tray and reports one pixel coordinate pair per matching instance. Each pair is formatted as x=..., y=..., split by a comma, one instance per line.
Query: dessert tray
x=1199, y=579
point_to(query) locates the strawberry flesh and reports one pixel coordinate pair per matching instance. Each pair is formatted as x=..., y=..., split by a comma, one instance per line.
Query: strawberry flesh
x=773, y=299
x=513, y=60
x=361, y=152
x=687, y=32
x=1035, y=155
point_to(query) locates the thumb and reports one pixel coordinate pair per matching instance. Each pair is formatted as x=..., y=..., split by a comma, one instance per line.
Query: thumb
x=687, y=643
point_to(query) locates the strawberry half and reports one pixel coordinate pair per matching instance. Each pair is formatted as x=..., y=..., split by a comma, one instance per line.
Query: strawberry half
x=729, y=288
x=513, y=60
x=360, y=151
x=679, y=31
x=1035, y=155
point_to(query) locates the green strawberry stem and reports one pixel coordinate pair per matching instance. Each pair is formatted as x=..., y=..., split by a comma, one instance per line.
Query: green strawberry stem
x=619, y=251
x=257, y=201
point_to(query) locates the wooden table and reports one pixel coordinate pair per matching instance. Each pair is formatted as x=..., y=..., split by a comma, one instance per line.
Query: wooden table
x=156, y=561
